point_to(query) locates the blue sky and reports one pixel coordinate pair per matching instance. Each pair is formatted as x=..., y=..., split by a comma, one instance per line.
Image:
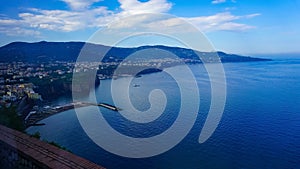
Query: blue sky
x=234, y=26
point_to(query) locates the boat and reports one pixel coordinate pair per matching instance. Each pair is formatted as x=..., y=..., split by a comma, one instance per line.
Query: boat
x=136, y=85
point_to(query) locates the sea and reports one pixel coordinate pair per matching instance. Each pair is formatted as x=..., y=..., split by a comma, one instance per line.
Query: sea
x=259, y=128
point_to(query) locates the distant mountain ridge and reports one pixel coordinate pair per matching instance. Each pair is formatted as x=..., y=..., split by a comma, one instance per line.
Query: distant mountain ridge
x=69, y=51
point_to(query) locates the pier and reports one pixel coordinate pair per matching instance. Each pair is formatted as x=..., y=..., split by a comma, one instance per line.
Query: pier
x=34, y=118
x=105, y=105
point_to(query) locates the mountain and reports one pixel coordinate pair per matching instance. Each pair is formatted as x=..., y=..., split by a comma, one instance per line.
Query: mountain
x=68, y=51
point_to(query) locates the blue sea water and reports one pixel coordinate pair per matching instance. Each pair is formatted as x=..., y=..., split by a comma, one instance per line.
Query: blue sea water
x=260, y=127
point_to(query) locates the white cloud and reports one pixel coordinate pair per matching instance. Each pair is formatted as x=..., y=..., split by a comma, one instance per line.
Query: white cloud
x=12, y=27
x=221, y=1
x=230, y=8
x=61, y=20
x=168, y=24
x=251, y=15
x=35, y=20
x=82, y=16
x=137, y=7
x=80, y=4
x=218, y=1
x=221, y=21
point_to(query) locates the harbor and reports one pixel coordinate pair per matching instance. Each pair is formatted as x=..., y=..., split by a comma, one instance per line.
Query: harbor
x=34, y=117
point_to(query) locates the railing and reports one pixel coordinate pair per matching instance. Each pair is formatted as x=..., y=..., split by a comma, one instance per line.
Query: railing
x=18, y=150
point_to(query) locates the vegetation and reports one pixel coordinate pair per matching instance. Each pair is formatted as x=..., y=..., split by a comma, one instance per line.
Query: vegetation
x=10, y=118
x=53, y=87
x=69, y=51
x=38, y=136
x=57, y=145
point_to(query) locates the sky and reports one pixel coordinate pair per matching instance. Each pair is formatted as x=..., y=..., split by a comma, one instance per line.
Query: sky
x=233, y=26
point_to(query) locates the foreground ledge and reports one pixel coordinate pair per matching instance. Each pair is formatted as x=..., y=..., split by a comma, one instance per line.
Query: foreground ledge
x=18, y=150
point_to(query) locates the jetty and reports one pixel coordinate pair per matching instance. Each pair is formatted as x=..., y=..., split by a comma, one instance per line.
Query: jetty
x=33, y=118
x=105, y=105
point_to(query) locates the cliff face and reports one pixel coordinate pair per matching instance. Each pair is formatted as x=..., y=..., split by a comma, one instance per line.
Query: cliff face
x=54, y=89
x=24, y=107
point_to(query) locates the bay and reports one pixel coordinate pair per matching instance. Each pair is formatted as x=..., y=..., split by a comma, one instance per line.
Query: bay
x=259, y=129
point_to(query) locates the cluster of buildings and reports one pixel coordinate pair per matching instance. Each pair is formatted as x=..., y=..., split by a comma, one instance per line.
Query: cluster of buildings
x=15, y=92
x=19, y=72
x=17, y=78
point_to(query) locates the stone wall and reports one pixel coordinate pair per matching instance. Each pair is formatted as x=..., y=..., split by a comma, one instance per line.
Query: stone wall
x=18, y=150
x=11, y=158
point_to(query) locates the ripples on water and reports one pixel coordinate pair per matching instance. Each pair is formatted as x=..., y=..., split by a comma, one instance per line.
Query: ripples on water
x=260, y=127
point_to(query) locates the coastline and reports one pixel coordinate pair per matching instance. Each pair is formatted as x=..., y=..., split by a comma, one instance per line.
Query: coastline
x=33, y=119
